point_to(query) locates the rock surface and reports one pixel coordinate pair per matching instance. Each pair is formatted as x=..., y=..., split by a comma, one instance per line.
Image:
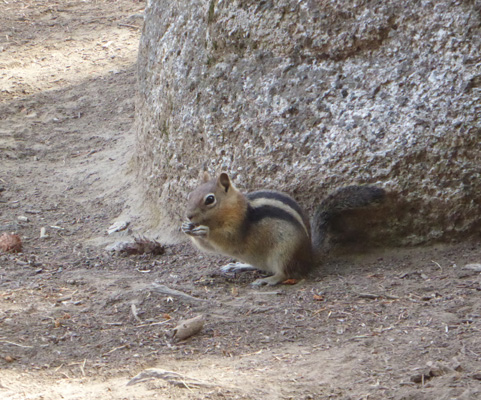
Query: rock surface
x=307, y=96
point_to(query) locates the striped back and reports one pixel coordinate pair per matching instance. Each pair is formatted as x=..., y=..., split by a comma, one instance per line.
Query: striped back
x=276, y=205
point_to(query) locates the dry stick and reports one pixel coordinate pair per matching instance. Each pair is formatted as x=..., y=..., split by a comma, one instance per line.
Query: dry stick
x=16, y=344
x=153, y=323
x=129, y=26
x=377, y=296
x=361, y=337
x=188, y=327
x=171, y=377
x=133, y=308
x=473, y=267
x=82, y=367
x=115, y=349
x=162, y=289
x=369, y=296
x=437, y=264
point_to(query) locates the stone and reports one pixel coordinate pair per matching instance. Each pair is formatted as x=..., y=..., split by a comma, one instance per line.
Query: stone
x=309, y=96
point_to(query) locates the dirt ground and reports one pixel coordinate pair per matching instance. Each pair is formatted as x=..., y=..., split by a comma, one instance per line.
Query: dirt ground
x=79, y=322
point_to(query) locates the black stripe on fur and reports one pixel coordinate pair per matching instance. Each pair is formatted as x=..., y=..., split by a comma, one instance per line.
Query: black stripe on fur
x=256, y=214
x=283, y=198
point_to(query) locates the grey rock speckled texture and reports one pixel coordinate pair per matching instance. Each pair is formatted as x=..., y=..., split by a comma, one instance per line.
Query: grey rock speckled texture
x=307, y=96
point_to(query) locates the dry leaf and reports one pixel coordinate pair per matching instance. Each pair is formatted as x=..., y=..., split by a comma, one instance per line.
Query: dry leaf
x=318, y=297
x=10, y=243
x=290, y=282
x=142, y=245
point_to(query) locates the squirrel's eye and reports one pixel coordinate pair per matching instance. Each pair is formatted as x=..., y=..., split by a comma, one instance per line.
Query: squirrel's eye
x=209, y=199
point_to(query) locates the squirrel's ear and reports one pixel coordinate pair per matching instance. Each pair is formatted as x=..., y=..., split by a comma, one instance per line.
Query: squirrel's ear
x=204, y=176
x=224, y=181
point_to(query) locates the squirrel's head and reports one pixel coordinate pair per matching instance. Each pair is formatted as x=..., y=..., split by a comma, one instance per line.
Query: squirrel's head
x=209, y=202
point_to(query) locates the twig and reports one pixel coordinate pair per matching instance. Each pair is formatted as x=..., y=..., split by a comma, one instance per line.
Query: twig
x=82, y=367
x=162, y=289
x=276, y=293
x=438, y=265
x=115, y=349
x=130, y=26
x=154, y=323
x=16, y=344
x=369, y=296
x=361, y=337
x=133, y=308
x=372, y=296
x=66, y=376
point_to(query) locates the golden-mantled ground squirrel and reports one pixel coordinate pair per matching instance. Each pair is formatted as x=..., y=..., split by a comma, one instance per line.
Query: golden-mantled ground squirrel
x=266, y=230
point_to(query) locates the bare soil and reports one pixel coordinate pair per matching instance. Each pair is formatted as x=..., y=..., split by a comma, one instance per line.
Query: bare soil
x=79, y=322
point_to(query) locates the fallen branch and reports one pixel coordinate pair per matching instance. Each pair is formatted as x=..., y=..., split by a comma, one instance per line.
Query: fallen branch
x=372, y=296
x=171, y=377
x=188, y=328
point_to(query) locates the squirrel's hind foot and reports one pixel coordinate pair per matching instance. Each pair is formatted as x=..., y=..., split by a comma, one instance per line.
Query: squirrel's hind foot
x=270, y=280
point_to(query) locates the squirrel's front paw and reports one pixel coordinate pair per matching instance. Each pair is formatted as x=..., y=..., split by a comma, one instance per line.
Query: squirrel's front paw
x=195, y=230
x=187, y=227
x=200, y=231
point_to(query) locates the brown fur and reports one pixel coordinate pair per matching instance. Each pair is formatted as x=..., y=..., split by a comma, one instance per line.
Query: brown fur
x=274, y=239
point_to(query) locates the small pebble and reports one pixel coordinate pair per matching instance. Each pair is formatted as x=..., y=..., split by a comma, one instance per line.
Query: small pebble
x=43, y=233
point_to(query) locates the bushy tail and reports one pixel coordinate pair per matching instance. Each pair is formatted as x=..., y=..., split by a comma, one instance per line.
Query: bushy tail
x=346, y=198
